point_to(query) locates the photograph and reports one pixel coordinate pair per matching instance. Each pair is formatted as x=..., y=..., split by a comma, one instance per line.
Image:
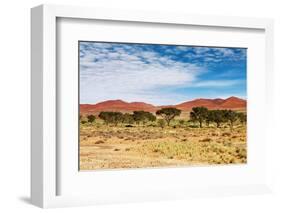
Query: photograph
x=161, y=105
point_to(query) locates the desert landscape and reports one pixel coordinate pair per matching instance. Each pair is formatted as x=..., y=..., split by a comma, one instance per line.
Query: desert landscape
x=161, y=105
x=115, y=134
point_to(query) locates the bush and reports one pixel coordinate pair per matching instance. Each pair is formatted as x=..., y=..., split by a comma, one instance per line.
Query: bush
x=161, y=123
x=181, y=122
x=91, y=118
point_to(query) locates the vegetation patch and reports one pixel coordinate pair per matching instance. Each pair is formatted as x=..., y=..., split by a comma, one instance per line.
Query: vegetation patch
x=144, y=139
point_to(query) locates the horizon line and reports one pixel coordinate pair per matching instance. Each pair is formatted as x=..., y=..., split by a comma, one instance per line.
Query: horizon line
x=129, y=102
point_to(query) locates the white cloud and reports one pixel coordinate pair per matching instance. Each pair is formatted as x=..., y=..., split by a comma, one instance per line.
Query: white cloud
x=107, y=73
x=224, y=52
x=215, y=54
x=200, y=50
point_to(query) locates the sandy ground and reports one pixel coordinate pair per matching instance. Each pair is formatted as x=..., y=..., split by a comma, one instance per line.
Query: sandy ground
x=107, y=147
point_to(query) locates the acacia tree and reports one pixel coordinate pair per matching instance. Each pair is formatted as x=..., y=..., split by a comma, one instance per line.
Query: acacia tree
x=127, y=118
x=105, y=117
x=149, y=117
x=232, y=117
x=116, y=117
x=138, y=116
x=111, y=117
x=91, y=118
x=209, y=118
x=199, y=114
x=217, y=116
x=143, y=116
x=168, y=114
x=242, y=117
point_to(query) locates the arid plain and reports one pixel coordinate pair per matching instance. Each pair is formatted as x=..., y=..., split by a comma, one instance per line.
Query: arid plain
x=129, y=143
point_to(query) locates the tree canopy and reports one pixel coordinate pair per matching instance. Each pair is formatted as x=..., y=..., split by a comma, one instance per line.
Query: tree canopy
x=127, y=118
x=111, y=117
x=199, y=114
x=91, y=118
x=242, y=117
x=168, y=114
x=143, y=116
x=217, y=116
x=231, y=117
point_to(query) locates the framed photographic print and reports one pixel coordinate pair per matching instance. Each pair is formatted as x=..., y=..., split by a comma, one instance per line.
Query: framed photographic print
x=130, y=106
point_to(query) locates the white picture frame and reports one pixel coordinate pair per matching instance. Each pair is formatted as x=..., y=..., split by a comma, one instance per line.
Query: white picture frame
x=44, y=154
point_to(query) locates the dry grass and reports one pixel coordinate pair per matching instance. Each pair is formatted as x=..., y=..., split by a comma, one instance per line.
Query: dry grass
x=105, y=147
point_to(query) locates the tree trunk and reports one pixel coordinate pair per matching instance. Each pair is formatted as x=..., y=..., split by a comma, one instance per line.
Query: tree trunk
x=168, y=122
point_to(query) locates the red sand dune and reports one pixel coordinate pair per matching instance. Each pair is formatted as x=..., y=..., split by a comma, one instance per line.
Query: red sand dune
x=119, y=105
x=209, y=103
x=234, y=103
x=229, y=103
x=116, y=105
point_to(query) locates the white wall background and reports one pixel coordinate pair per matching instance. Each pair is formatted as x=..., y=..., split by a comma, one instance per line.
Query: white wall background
x=15, y=103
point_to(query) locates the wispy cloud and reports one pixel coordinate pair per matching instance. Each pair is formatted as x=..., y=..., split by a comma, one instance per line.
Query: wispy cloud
x=213, y=54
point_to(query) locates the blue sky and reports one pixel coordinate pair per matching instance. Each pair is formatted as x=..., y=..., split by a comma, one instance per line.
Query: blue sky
x=160, y=74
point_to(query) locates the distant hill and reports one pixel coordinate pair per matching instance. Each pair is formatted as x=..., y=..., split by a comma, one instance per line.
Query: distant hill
x=218, y=103
x=233, y=103
x=116, y=105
